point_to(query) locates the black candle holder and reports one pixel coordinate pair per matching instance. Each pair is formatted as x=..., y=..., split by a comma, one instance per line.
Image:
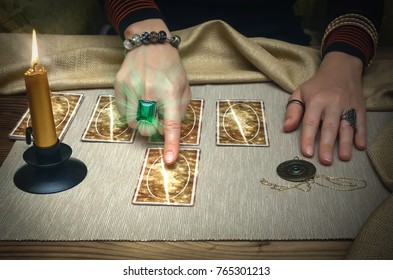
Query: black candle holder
x=49, y=170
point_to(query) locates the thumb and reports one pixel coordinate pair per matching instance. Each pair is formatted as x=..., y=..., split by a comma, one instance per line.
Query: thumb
x=294, y=111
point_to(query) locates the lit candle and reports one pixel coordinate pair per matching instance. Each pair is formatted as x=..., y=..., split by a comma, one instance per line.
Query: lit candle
x=38, y=93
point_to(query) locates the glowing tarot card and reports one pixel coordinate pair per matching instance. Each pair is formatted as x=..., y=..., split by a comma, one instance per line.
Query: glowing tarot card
x=105, y=124
x=191, y=126
x=161, y=184
x=241, y=123
x=64, y=106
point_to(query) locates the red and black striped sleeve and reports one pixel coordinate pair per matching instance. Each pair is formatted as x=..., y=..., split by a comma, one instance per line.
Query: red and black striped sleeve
x=122, y=13
x=351, y=38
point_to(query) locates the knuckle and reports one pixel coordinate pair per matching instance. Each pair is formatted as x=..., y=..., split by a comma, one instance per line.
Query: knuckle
x=172, y=125
x=145, y=132
x=330, y=125
x=170, y=146
x=315, y=102
x=312, y=123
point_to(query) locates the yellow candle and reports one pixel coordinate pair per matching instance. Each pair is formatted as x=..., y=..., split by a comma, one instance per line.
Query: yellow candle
x=38, y=93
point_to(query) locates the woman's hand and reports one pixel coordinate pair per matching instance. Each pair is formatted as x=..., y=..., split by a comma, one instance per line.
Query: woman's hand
x=154, y=72
x=335, y=88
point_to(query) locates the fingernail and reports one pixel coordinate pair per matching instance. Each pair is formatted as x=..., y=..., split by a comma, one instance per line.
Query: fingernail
x=362, y=144
x=346, y=153
x=309, y=150
x=327, y=157
x=169, y=157
x=286, y=126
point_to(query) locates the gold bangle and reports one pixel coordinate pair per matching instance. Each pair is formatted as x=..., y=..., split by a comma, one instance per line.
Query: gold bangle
x=358, y=16
x=365, y=22
x=370, y=29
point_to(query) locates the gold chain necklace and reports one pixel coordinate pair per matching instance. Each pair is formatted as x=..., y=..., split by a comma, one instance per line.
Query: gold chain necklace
x=304, y=174
x=337, y=184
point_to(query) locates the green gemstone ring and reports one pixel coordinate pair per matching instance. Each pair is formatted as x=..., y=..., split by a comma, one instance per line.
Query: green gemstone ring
x=146, y=110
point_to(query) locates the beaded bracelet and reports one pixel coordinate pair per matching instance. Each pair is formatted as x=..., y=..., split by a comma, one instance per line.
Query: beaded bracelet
x=152, y=37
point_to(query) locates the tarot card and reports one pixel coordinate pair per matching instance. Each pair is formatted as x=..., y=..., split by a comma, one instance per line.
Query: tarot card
x=64, y=106
x=241, y=123
x=106, y=125
x=161, y=184
x=190, y=133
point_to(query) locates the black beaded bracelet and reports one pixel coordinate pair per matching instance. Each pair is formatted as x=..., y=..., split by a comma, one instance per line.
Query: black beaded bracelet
x=150, y=37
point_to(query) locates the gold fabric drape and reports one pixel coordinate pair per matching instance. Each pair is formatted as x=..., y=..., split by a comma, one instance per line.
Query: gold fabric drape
x=212, y=52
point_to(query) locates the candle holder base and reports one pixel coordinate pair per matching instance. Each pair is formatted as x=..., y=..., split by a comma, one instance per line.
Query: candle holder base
x=49, y=170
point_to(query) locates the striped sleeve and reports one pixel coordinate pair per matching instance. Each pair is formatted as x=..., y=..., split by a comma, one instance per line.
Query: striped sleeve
x=122, y=13
x=356, y=33
x=352, y=40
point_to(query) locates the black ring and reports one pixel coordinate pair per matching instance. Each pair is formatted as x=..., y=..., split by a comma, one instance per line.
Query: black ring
x=297, y=101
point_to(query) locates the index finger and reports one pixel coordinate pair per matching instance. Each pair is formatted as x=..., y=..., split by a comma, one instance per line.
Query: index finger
x=172, y=125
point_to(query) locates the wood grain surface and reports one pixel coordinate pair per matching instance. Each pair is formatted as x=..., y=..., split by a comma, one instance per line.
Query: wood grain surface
x=11, y=109
x=302, y=250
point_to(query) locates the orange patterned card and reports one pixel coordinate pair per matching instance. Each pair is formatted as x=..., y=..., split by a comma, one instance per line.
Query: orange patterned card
x=105, y=124
x=161, y=184
x=241, y=123
x=64, y=105
x=190, y=133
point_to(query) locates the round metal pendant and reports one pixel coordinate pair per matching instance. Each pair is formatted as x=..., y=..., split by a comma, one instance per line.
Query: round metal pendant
x=296, y=170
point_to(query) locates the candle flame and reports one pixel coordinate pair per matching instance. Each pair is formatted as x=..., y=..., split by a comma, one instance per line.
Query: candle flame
x=34, y=50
